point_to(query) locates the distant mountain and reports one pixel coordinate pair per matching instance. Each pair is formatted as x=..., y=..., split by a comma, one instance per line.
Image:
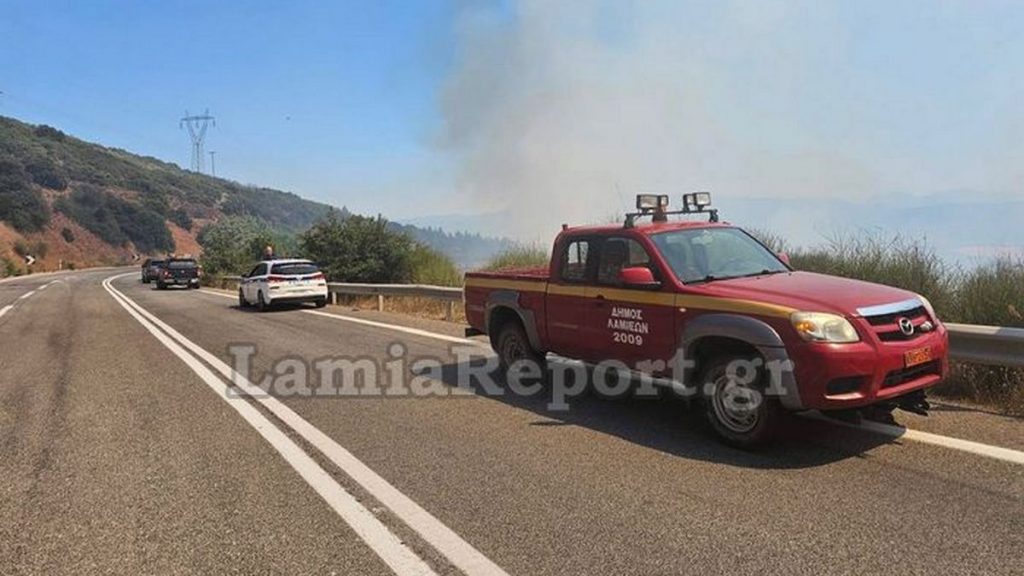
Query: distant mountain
x=62, y=198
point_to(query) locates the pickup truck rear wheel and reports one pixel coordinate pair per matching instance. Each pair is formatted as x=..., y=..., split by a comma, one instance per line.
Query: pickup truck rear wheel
x=513, y=345
x=741, y=414
x=261, y=303
x=242, y=302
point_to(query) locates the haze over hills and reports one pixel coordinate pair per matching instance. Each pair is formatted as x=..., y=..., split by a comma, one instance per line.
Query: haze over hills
x=64, y=199
x=962, y=227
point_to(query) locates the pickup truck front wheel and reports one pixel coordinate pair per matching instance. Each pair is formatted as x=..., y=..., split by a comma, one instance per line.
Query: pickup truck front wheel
x=740, y=413
x=513, y=345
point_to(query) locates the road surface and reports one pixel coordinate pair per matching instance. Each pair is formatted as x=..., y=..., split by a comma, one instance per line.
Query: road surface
x=122, y=450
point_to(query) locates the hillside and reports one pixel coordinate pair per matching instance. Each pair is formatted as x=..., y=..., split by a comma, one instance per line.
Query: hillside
x=64, y=199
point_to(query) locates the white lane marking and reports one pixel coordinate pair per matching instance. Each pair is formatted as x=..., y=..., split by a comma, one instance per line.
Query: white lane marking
x=386, y=544
x=5, y=310
x=26, y=295
x=996, y=452
x=986, y=450
x=459, y=552
x=374, y=323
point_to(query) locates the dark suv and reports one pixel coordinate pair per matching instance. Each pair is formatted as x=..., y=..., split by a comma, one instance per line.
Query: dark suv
x=178, y=272
x=151, y=269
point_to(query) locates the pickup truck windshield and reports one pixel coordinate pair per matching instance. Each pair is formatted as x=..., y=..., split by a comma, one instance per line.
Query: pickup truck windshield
x=709, y=254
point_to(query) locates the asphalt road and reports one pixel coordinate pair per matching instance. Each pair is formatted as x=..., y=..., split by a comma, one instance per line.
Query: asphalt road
x=120, y=452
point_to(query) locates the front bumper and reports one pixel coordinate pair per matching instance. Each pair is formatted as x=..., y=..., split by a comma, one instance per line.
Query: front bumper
x=842, y=376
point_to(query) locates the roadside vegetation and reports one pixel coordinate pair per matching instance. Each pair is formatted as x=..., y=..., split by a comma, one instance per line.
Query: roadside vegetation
x=990, y=294
x=520, y=256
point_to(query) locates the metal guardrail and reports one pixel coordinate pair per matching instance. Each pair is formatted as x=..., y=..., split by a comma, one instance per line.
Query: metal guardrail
x=991, y=345
x=450, y=296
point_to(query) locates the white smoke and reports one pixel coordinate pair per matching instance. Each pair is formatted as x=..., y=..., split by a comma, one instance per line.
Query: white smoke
x=560, y=111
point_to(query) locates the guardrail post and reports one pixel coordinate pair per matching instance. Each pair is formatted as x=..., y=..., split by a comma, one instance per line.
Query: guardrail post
x=380, y=302
x=449, y=311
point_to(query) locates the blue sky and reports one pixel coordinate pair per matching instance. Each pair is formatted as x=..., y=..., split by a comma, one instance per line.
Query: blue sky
x=539, y=112
x=336, y=101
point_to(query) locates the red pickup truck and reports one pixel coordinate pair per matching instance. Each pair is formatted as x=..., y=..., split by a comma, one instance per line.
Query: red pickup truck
x=688, y=300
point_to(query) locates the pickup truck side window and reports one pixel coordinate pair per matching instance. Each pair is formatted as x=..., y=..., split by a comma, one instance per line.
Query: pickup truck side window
x=619, y=253
x=574, y=261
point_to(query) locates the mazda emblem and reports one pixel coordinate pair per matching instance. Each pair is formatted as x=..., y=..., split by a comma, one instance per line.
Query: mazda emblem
x=906, y=326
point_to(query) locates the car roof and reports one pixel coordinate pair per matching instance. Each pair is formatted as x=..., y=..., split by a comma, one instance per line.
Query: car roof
x=287, y=261
x=646, y=227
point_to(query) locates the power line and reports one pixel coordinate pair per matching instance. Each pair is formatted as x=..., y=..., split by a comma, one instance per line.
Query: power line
x=197, y=126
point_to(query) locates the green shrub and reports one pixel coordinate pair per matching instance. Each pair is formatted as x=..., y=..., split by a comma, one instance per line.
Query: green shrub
x=520, y=256
x=431, y=267
x=67, y=234
x=20, y=206
x=908, y=264
x=116, y=220
x=8, y=268
x=992, y=295
x=232, y=245
x=46, y=173
x=359, y=249
x=181, y=218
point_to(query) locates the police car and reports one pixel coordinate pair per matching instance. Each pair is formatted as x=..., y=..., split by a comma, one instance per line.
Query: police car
x=282, y=281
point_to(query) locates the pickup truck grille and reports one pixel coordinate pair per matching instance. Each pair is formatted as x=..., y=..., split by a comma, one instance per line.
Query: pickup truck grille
x=887, y=328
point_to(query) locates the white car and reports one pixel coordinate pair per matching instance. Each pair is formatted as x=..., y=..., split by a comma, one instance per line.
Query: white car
x=282, y=281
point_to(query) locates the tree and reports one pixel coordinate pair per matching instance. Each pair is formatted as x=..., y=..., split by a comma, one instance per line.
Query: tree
x=359, y=249
x=233, y=244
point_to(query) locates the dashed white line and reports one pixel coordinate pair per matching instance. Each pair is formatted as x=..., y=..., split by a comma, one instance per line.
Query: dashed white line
x=26, y=295
x=5, y=310
x=452, y=546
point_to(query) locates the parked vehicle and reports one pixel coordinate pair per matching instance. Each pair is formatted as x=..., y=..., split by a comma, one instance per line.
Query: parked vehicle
x=179, y=272
x=282, y=281
x=150, y=269
x=708, y=292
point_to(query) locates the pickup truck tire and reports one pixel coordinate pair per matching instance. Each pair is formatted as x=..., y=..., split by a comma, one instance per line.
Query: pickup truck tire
x=242, y=302
x=261, y=304
x=738, y=421
x=320, y=303
x=513, y=345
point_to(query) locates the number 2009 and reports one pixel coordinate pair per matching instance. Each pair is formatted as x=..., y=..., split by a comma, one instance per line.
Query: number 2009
x=625, y=338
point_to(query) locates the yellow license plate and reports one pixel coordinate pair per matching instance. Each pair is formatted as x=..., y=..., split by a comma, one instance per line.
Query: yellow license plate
x=918, y=356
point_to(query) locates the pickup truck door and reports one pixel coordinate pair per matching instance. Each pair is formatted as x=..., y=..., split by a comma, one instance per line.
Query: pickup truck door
x=567, y=303
x=630, y=324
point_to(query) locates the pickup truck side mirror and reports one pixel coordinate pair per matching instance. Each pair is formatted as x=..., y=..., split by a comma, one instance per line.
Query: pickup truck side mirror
x=638, y=277
x=785, y=258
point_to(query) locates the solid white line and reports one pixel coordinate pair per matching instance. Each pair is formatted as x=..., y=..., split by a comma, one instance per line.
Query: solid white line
x=26, y=295
x=986, y=450
x=5, y=310
x=394, y=327
x=459, y=552
x=370, y=529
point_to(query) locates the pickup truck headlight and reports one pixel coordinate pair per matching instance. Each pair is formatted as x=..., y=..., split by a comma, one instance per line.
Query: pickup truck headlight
x=822, y=327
